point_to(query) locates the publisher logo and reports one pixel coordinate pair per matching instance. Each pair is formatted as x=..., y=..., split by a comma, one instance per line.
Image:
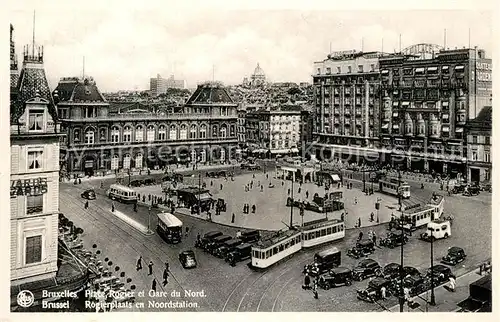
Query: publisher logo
x=25, y=298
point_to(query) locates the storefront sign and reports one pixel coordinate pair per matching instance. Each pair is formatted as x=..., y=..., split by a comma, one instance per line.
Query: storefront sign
x=343, y=53
x=28, y=187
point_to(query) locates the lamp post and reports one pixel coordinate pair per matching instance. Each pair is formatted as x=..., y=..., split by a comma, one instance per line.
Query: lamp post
x=291, y=208
x=433, y=298
x=149, y=219
x=199, y=192
x=364, y=181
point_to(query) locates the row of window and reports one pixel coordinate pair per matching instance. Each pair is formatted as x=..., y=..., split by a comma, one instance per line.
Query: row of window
x=277, y=249
x=174, y=133
x=347, y=69
x=323, y=232
x=432, y=70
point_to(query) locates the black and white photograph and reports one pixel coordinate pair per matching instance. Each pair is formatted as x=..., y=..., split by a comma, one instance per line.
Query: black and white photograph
x=175, y=157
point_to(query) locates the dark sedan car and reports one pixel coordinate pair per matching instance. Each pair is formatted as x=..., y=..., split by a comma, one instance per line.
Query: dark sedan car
x=366, y=268
x=88, y=194
x=390, y=271
x=411, y=271
x=455, y=255
x=440, y=273
x=188, y=259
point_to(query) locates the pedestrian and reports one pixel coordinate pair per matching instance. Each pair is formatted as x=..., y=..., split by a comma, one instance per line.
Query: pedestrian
x=315, y=289
x=232, y=219
x=86, y=204
x=150, y=268
x=165, y=276
x=112, y=207
x=452, y=283
x=288, y=191
x=299, y=190
x=307, y=282
x=221, y=186
x=374, y=238
x=79, y=181
x=187, y=231
x=406, y=292
x=355, y=200
x=102, y=184
x=307, y=194
x=360, y=236
x=370, y=235
x=382, y=293
x=359, y=221
x=139, y=263
x=267, y=175
x=253, y=209
x=282, y=183
x=153, y=286
x=238, y=234
x=135, y=207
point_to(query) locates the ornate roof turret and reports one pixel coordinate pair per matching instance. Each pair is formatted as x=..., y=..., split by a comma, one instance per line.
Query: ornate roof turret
x=32, y=83
x=77, y=90
x=210, y=93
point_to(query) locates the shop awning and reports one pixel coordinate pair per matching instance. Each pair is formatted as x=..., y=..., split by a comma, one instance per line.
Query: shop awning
x=294, y=150
x=419, y=70
x=395, y=103
x=459, y=129
x=385, y=126
x=432, y=69
x=446, y=129
x=405, y=103
x=459, y=67
x=205, y=196
x=385, y=71
x=395, y=126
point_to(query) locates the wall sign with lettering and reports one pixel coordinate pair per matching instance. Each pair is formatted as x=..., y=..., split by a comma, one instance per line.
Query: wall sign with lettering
x=28, y=187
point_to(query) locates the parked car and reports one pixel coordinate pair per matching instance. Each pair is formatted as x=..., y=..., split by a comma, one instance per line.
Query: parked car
x=207, y=238
x=366, y=268
x=239, y=253
x=390, y=271
x=149, y=181
x=337, y=276
x=440, y=274
x=373, y=291
x=415, y=284
x=188, y=259
x=226, y=247
x=394, y=239
x=363, y=248
x=455, y=255
x=323, y=262
x=89, y=194
x=216, y=242
x=250, y=236
x=136, y=183
x=471, y=191
x=411, y=271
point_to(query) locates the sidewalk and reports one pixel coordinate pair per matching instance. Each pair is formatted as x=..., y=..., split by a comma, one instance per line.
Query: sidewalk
x=446, y=301
x=155, y=172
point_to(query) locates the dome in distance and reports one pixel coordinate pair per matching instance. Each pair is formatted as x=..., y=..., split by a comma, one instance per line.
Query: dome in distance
x=258, y=71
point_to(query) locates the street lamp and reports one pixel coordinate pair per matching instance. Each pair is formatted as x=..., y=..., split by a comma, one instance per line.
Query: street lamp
x=433, y=298
x=401, y=271
x=149, y=219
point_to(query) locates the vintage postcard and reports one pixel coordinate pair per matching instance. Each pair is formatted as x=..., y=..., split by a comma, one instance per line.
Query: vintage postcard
x=175, y=158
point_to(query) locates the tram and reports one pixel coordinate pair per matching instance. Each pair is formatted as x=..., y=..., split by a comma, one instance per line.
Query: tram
x=420, y=215
x=283, y=244
x=322, y=231
x=279, y=246
x=394, y=187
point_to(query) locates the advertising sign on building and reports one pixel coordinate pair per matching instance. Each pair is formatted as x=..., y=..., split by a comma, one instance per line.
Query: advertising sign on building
x=28, y=187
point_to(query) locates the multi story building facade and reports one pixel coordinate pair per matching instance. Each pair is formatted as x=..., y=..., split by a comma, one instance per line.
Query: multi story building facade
x=34, y=191
x=346, y=100
x=275, y=131
x=160, y=85
x=427, y=96
x=137, y=136
x=241, y=127
x=479, y=162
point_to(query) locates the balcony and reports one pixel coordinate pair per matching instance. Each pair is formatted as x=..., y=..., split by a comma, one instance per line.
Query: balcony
x=51, y=128
x=153, y=116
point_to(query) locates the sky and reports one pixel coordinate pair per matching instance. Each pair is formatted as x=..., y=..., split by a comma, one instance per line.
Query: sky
x=125, y=46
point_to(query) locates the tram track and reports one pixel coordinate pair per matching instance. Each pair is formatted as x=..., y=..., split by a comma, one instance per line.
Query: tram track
x=115, y=228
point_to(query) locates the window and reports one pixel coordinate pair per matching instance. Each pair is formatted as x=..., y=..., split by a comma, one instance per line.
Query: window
x=339, y=70
x=192, y=132
x=162, y=133
x=126, y=161
x=349, y=69
x=33, y=247
x=232, y=131
x=89, y=137
x=372, y=67
x=214, y=131
x=115, y=134
x=223, y=131
x=318, y=71
x=114, y=162
x=34, y=204
x=127, y=134
x=35, y=159
x=203, y=131
x=487, y=156
x=360, y=68
x=173, y=133
x=487, y=140
x=183, y=132
x=150, y=134
x=328, y=70
x=139, y=133
x=138, y=160
x=474, y=139
x=35, y=120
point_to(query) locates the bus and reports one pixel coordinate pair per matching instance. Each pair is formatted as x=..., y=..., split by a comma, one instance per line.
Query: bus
x=121, y=193
x=394, y=187
x=169, y=228
x=322, y=231
x=283, y=244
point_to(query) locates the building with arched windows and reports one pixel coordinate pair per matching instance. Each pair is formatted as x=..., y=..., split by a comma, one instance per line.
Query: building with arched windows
x=103, y=137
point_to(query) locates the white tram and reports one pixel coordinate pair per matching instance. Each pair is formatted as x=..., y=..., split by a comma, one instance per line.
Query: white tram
x=271, y=250
x=286, y=243
x=421, y=215
x=394, y=187
x=322, y=231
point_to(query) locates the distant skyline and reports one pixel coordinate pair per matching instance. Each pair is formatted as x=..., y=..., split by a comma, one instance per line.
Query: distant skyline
x=123, y=49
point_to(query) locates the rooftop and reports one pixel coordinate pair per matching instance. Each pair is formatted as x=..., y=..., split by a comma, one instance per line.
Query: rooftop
x=210, y=93
x=74, y=89
x=276, y=238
